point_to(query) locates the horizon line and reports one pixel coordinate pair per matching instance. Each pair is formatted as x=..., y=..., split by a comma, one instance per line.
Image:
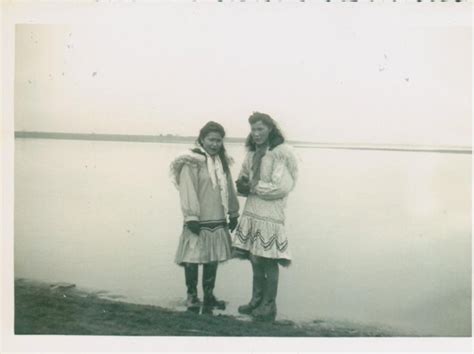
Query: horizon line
x=166, y=137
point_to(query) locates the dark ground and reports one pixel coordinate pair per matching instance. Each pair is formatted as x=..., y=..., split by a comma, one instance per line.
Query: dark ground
x=43, y=309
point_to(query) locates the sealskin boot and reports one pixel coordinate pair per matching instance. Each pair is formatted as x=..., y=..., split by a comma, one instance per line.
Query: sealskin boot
x=267, y=310
x=208, y=283
x=258, y=282
x=191, y=277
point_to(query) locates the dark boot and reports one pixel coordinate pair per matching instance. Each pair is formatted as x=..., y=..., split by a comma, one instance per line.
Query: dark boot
x=208, y=283
x=258, y=282
x=267, y=309
x=191, y=277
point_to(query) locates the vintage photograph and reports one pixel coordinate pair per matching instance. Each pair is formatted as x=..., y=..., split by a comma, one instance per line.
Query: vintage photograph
x=244, y=169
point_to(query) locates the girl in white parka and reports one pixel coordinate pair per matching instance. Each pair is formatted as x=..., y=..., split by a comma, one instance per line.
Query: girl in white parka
x=268, y=174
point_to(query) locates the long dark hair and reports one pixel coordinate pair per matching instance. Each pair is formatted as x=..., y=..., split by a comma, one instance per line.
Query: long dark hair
x=275, y=137
x=210, y=127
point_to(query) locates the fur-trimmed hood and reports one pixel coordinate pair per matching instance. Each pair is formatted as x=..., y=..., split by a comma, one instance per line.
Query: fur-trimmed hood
x=189, y=158
x=217, y=175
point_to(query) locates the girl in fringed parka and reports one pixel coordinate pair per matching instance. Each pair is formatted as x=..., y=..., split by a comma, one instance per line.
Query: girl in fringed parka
x=210, y=209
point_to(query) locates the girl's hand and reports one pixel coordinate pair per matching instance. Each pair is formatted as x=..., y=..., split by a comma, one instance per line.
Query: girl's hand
x=194, y=227
x=233, y=223
x=243, y=185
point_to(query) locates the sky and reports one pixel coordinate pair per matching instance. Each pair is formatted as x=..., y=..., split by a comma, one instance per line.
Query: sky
x=324, y=76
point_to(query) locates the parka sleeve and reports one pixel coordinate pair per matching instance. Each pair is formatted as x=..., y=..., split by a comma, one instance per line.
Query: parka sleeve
x=233, y=201
x=188, y=183
x=245, y=170
x=279, y=186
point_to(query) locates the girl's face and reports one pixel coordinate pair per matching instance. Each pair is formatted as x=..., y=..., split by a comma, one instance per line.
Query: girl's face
x=212, y=143
x=260, y=132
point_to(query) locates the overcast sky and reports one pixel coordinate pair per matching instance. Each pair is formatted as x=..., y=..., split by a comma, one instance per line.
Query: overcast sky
x=320, y=78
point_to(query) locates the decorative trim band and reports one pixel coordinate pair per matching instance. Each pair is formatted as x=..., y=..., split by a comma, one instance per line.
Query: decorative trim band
x=212, y=225
x=257, y=236
x=263, y=218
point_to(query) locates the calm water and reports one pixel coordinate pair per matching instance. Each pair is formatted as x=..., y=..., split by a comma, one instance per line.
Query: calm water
x=377, y=237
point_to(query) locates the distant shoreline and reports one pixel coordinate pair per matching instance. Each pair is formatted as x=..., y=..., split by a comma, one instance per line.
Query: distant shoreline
x=112, y=137
x=169, y=138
